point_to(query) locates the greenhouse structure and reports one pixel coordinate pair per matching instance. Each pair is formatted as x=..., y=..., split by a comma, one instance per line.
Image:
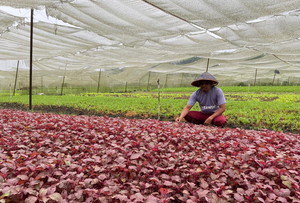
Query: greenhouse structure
x=128, y=40
x=97, y=98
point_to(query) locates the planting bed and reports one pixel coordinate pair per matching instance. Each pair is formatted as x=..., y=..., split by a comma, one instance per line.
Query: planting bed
x=61, y=158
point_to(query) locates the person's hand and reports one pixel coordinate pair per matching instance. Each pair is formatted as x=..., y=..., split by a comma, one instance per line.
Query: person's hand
x=208, y=121
x=178, y=119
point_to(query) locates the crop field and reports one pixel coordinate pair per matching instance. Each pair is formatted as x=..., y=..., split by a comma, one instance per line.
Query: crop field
x=65, y=158
x=273, y=108
x=111, y=147
x=243, y=89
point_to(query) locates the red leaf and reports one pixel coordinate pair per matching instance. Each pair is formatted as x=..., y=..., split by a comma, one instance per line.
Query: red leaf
x=204, y=184
x=168, y=183
x=282, y=199
x=202, y=193
x=121, y=197
x=31, y=199
x=238, y=197
x=138, y=197
x=163, y=191
x=3, y=175
x=56, y=196
x=152, y=199
x=136, y=155
x=33, y=155
x=22, y=177
x=82, y=158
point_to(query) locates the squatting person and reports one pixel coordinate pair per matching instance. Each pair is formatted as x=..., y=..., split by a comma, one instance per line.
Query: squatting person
x=211, y=100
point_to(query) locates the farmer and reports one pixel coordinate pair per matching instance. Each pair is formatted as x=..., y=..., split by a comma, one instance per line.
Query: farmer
x=211, y=101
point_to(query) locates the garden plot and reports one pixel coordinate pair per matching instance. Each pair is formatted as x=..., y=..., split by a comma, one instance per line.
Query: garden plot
x=61, y=158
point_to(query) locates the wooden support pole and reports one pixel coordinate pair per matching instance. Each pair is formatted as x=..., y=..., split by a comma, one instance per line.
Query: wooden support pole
x=16, y=78
x=62, y=86
x=30, y=68
x=158, y=100
x=181, y=80
x=42, y=84
x=99, y=78
x=148, y=81
x=166, y=82
x=207, y=65
x=255, y=77
x=139, y=84
x=63, y=82
x=274, y=78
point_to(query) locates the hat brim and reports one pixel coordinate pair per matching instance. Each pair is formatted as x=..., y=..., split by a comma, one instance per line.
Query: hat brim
x=197, y=83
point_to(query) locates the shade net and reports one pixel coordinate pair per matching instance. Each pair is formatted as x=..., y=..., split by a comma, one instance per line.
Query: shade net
x=119, y=43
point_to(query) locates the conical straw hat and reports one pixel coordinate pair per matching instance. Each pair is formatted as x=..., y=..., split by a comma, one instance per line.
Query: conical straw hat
x=206, y=76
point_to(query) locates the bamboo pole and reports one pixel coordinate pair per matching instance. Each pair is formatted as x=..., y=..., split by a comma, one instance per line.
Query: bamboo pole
x=30, y=68
x=16, y=78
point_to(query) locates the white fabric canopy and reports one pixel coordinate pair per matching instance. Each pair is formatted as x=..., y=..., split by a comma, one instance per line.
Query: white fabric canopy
x=238, y=36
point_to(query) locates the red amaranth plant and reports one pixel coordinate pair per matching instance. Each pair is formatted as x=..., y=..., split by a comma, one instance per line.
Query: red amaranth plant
x=61, y=158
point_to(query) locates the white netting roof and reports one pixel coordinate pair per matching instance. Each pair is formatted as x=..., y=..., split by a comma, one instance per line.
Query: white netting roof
x=162, y=36
x=31, y=3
